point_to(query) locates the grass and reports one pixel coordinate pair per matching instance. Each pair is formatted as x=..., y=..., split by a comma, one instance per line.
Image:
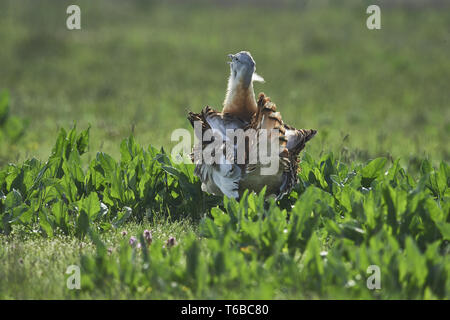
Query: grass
x=33, y=267
x=136, y=67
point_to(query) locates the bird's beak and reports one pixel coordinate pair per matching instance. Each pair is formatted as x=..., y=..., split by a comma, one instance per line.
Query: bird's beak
x=231, y=56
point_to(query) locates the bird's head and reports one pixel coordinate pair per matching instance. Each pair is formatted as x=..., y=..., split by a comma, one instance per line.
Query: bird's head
x=242, y=67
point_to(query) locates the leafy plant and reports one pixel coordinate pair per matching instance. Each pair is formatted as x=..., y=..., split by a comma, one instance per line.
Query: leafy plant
x=318, y=242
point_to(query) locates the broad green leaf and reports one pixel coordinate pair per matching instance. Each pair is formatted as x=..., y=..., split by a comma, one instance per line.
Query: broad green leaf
x=83, y=141
x=13, y=199
x=44, y=222
x=372, y=170
x=91, y=206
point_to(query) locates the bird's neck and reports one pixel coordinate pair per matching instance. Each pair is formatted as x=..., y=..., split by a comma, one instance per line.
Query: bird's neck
x=240, y=99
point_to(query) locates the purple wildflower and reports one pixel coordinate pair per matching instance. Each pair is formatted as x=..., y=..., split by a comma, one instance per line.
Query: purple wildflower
x=171, y=242
x=148, y=237
x=132, y=241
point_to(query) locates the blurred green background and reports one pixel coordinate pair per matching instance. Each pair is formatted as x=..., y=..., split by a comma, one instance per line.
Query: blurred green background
x=135, y=67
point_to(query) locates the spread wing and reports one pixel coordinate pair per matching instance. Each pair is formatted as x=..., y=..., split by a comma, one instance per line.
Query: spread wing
x=223, y=176
x=264, y=121
x=291, y=142
x=218, y=121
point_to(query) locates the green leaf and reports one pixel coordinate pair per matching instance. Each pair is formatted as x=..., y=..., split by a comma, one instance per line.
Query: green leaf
x=393, y=170
x=426, y=167
x=107, y=163
x=44, y=223
x=58, y=148
x=13, y=199
x=83, y=141
x=414, y=263
x=372, y=170
x=21, y=213
x=91, y=206
x=312, y=256
x=220, y=218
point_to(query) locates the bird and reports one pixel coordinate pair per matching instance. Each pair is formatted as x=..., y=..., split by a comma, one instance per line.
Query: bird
x=241, y=167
